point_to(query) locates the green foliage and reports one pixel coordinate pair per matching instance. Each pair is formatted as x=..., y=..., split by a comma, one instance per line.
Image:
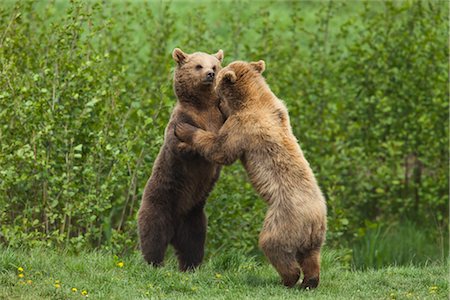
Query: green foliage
x=396, y=244
x=85, y=94
x=77, y=128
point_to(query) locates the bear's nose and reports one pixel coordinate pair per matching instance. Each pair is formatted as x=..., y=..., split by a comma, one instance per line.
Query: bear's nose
x=210, y=74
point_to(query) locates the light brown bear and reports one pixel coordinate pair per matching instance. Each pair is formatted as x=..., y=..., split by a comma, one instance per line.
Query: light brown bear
x=257, y=131
x=172, y=204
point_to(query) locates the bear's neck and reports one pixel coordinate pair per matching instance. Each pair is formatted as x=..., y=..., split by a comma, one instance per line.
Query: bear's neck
x=201, y=99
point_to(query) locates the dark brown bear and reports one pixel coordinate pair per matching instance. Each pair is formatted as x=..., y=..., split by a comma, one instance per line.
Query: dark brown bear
x=171, y=210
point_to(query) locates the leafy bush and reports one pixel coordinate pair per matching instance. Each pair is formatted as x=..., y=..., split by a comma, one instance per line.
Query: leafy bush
x=85, y=94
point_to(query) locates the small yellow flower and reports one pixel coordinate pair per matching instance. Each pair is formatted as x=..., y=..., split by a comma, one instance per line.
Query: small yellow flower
x=57, y=281
x=21, y=275
x=120, y=264
x=20, y=269
x=218, y=276
x=433, y=289
x=84, y=293
x=29, y=281
x=57, y=285
x=393, y=296
x=74, y=290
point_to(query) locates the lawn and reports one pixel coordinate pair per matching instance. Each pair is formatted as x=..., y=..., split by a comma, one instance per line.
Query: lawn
x=100, y=275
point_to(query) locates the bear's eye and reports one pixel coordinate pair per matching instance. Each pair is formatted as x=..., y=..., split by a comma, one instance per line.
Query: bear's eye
x=214, y=68
x=198, y=67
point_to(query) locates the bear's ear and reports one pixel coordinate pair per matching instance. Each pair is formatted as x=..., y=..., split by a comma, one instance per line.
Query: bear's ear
x=230, y=76
x=259, y=66
x=179, y=56
x=219, y=55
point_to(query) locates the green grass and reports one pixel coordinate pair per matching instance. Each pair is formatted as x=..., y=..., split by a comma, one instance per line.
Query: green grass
x=222, y=277
x=402, y=243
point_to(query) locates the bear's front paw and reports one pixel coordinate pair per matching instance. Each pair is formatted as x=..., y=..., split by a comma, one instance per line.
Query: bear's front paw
x=185, y=132
x=184, y=148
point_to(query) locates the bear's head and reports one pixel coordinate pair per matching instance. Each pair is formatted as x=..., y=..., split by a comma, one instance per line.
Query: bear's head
x=195, y=73
x=236, y=82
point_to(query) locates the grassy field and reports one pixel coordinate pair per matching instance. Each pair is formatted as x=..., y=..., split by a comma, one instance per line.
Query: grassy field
x=58, y=275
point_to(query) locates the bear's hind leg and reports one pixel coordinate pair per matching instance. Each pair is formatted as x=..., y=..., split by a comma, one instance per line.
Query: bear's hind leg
x=189, y=239
x=284, y=262
x=155, y=232
x=310, y=264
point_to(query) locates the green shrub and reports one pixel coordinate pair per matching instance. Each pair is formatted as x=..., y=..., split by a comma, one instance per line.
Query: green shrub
x=85, y=94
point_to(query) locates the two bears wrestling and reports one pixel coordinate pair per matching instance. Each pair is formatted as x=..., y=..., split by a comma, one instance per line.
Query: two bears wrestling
x=222, y=115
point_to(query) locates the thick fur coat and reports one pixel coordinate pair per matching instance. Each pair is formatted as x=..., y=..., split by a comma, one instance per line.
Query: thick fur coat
x=258, y=132
x=171, y=210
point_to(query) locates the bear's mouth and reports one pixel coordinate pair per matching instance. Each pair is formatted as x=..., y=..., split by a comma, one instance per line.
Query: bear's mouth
x=208, y=81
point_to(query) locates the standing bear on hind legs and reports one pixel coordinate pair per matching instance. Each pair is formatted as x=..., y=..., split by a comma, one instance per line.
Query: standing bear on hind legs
x=171, y=210
x=257, y=131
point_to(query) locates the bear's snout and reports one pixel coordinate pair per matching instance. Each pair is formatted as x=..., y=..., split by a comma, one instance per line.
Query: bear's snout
x=210, y=75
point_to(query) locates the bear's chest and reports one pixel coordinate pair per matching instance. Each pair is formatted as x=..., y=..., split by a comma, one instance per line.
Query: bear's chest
x=209, y=120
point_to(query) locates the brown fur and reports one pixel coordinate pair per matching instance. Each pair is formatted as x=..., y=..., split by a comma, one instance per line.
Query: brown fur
x=257, y=131
x=171, y=210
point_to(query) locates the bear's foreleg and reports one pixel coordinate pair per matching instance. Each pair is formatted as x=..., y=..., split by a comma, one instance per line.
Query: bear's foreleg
x=223, y=148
